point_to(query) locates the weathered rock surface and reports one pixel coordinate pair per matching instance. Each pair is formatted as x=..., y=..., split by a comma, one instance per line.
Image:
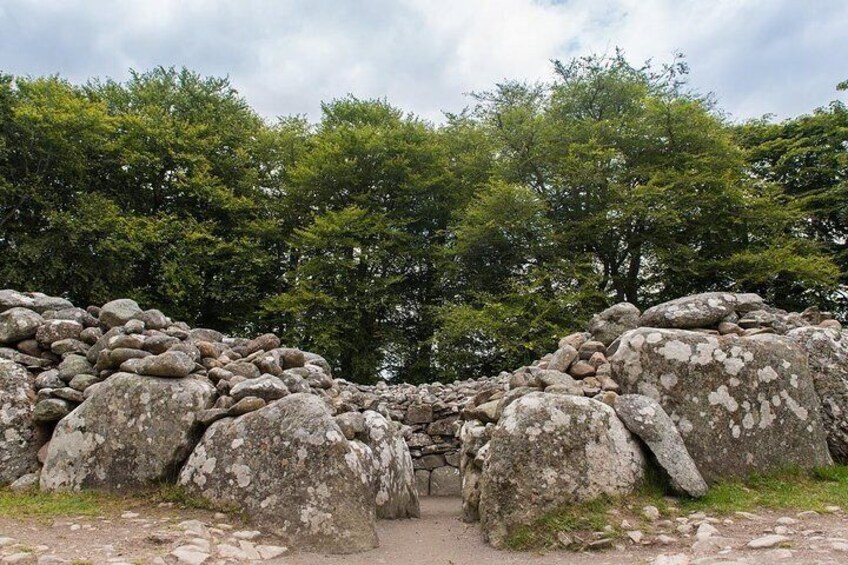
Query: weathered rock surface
x=171, y=364
x=18, y=436
x=133, y=431
x=549, y=451
x=827, y=351
x=119, y=312
x=742, y=405
x=698, y=310
x=606, y=326
x=290, y=468
x=397, y=495
x=17, y=324
x=646, y=418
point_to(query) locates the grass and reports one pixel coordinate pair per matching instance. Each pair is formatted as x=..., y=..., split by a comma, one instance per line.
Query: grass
x=36, y=504
x=791, y=489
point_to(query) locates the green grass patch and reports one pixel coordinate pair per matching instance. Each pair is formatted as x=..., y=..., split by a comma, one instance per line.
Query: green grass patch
x=786, y=490
x=791, y=489
x=36, y=504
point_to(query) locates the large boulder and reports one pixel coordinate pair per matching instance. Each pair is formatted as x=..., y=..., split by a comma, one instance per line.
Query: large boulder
x=397, y=495
x=741, y=404
x=646, y=418
x=18, y=435
x=132, y=432
x=549, y=451
x=17, y=324
x=827, y=351
x=119, y=312
x=606, y=326
x=290, y=468
x=699, y=310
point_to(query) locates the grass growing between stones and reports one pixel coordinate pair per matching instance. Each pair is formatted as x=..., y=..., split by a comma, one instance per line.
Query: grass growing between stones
x=581, y=524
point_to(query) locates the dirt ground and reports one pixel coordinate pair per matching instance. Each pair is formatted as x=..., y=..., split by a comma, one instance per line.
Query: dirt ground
x=152, y=535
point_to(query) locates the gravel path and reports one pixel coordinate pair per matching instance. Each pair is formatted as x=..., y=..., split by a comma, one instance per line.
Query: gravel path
x=153, y=535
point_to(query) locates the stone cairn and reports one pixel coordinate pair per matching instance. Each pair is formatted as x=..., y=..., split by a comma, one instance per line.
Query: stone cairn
x=704, y=387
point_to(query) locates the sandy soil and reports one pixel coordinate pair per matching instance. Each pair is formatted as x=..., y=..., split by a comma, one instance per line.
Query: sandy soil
x=149, y=534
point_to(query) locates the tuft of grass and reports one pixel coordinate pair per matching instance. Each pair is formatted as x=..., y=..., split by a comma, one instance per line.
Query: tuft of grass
x=179, y=496
x=36, y=504
x=791, y=489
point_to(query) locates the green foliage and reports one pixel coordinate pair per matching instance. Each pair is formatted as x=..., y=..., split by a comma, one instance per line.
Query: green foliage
x=807, y=158
x=398, y=248
x=37, y=504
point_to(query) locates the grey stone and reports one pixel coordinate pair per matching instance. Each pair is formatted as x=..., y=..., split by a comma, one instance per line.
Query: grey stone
x=51, y=410
x=606, y=326
x=74, y=365
x=422, y=482
x=133, y=432
x=52, y=331
x=698, y=311
x=289, y=467
x=65, y=346
x=47, y=379
x=18, y=437
x=14, y=299
x=153, y=319
x=445, y=481
x=17, y=324
x=562, y=359
x=397, y=496
x=246, y=405
x=82, y=381
x=419, y=414
x=171, y=364
x=119, y=312
x=266, y=387
x=579, y=451
x=827, y=353
x=43, y=303
x=70, y=394
x=352, y=424
x=742, y=405
x=646, y=418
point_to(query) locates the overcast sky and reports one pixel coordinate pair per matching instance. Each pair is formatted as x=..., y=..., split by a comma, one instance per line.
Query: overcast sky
x=782, y=57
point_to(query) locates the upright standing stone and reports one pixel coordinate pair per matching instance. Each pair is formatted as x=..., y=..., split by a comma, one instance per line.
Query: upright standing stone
x=646, y=418
x=551, y=450
x=397, y=496
x=289, y=467
x=132, y=432
x=18, y=437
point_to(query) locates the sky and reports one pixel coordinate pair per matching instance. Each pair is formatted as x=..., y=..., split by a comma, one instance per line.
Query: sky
x=780, y=57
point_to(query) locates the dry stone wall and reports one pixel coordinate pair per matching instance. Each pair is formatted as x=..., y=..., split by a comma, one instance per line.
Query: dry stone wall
x=118, y=397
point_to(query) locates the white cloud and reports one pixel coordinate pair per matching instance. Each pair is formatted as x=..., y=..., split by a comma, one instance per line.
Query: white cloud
x=759, y=56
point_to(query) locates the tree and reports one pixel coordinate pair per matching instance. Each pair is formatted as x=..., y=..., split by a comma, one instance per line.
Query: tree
x=636, y=170
x=807, y=158
x=514, y=293
x=367, y=156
